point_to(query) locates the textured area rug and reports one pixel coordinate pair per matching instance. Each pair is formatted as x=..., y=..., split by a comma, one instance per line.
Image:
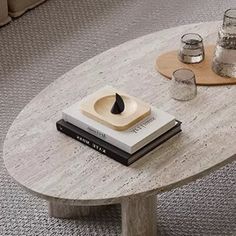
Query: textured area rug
x=55, y=37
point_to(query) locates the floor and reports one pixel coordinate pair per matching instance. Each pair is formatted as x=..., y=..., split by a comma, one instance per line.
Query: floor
x=52, y=39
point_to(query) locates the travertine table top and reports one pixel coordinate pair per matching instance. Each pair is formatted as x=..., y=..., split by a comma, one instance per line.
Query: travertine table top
x=56, y=167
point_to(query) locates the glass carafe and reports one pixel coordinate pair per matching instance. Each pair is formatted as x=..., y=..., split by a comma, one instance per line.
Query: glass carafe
x=224, y=60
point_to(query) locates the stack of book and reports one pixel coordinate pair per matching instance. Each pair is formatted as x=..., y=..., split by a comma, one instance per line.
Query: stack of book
x=124, y=146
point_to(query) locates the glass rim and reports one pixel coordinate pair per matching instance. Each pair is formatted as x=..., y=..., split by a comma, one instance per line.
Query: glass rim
x=199, y=40
x=183, y=69
x=227, y=11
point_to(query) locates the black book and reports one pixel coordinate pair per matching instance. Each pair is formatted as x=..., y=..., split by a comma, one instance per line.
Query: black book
x=111, y=150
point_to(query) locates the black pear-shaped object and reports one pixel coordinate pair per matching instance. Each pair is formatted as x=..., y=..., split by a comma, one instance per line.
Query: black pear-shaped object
x=118, y=105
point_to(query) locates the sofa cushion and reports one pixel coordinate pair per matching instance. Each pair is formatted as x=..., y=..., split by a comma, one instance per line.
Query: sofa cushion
x=18, y=7
x=4, y=18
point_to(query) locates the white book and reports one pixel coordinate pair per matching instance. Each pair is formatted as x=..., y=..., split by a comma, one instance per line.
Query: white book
x=131, y=140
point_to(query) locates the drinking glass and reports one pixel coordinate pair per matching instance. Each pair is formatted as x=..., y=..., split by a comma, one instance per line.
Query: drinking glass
x=191, y=49
x=224, y=60
x=183, y=85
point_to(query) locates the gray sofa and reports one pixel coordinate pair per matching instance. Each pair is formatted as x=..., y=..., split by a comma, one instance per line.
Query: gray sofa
x=15, y=8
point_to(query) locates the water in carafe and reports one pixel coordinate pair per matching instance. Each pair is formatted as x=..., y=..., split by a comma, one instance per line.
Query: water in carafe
x=224, y=60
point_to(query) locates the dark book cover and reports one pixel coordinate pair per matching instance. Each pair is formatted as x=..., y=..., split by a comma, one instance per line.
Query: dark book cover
x=109, y=149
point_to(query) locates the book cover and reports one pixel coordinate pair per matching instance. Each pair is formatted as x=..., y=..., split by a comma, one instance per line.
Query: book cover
x=111, y=150
x=131, y=140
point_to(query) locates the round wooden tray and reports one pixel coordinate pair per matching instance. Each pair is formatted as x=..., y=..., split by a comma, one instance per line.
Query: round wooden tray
x=168, y=62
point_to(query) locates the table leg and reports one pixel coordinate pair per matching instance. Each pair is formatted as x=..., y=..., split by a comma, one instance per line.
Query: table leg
x=59, y=210
x=139, y=217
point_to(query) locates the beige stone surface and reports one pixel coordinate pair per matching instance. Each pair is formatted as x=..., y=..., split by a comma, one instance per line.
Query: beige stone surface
x=139, y=217
x=58, y=168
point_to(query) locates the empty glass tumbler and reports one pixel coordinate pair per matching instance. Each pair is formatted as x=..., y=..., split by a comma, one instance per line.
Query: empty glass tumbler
x=224, y=60
x=183, y=85
x=191, y=49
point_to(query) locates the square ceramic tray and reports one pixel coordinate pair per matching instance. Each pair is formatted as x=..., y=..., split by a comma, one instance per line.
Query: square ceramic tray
x=98, y=107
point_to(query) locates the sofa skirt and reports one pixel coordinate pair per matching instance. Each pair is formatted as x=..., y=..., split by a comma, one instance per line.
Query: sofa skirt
x=19, y=7
x=4, y=18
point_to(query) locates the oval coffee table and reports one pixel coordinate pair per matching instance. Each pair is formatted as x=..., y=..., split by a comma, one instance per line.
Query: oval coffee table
x=72, y=177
